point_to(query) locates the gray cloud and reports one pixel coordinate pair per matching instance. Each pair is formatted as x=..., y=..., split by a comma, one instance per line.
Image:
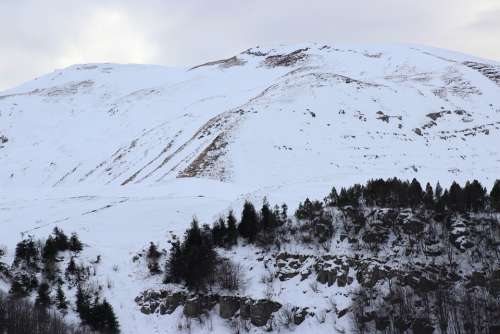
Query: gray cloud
x=38, y=36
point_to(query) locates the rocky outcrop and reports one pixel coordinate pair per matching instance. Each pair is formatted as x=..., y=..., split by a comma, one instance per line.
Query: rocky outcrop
x=259, y=312
x=163, y=301
x=228, y=306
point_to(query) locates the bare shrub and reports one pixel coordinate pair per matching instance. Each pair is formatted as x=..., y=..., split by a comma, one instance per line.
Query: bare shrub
x=321, y=316
x=230, y=275
x=314, y=286
x=286, y=316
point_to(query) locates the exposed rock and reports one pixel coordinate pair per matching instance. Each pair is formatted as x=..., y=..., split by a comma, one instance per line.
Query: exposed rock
x=245, y=304
x=228, y=305
x=327, y=276
x=299, y=315
x=261, y=311
x=289, y=59
x=198, y=305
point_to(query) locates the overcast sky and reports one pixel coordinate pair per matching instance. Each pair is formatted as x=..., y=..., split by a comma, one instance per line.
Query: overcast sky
x=38, y=36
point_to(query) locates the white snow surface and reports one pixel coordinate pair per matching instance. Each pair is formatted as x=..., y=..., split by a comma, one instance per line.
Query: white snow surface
x=128, y=154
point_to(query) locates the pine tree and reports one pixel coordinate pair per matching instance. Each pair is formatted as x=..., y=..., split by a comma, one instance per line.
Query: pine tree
x=194, y=260
x=61, y=302
x=50, y=249
x=82, y=303
x=284, y=213
x=332, y=198
x=266, y=216
x=175, y=268
x=43, y=298
x=474, y=196
x=109, y=322
x=153, y=257
x=439, y=198
x=75, y=244
x=60, y=240
x=248, y=227
x=455, y=200
x=232, y=230
x=439, y=192
x=219, y=232
x=27, y=255
x=495, y=196
x=428, y=198
x=415, y=193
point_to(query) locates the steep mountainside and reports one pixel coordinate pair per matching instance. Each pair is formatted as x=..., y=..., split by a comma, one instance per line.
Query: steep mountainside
x=272, y=115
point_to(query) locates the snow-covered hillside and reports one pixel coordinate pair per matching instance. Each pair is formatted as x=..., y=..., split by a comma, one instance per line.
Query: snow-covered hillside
x=267, y=116
x=128, y=154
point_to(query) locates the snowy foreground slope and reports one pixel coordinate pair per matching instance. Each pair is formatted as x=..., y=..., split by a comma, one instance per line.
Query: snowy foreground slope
x=127, y=154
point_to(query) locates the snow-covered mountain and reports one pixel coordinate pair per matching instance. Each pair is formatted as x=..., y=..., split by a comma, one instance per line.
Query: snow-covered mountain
x=265, y=116
x=128, y=154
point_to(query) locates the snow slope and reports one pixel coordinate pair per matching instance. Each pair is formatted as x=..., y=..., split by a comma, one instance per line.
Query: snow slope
x=124, y=154
x=265, y=116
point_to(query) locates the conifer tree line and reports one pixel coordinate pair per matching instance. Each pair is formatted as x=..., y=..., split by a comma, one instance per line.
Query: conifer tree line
x=36, y=269
x=194, y=260
x=395, y=193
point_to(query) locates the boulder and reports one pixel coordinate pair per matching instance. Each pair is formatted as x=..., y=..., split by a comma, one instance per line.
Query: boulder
x=171, y=302
x=261, y=311
x=245, y=308
x=198, y=305
x=228, y=305
x=299, y=315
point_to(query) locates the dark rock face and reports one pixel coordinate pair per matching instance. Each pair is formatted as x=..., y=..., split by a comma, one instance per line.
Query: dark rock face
x=228, y=306
x=289, y=59
x=198, y=305
x=164, y=302
x=245, y=304
x=299, y=315
x=261, y=310
x=327, y=277
x=257, y=311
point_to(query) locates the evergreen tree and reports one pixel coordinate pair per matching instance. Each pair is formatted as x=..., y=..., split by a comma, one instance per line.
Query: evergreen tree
x=175, y=268
x=428, y=197
x=43, y=297
x=266, y=216
x=439, y=192
x=474, y=196
x=284, y=213
x=153, y=256
x=194, y=260
x=82, y=303
x=104, y=319
x=415, y=193
x=332, y=198
x=495, y=196
x=439, y=198
x=27, y=255
x=455, y=200
x=232, y=230
x=60, y=240
x=61, y=302
x=249, y=224
x=75, y=244
x=219, y=233
x=49, y=251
